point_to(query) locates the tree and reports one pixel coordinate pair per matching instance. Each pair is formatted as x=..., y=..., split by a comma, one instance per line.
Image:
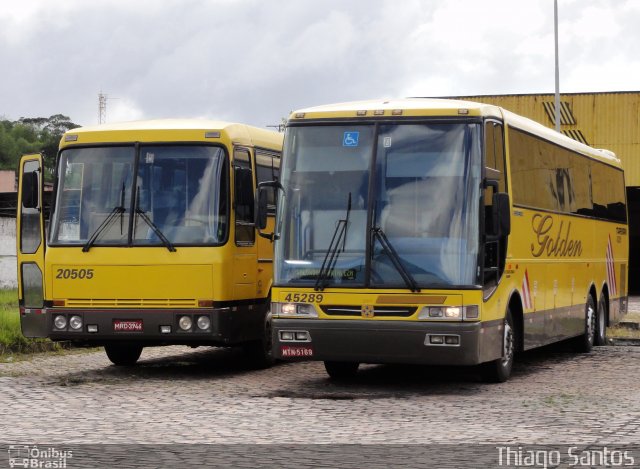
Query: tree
x=32, y=135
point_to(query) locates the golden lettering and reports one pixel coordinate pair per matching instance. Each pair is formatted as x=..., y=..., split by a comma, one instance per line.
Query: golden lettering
x=553, y=243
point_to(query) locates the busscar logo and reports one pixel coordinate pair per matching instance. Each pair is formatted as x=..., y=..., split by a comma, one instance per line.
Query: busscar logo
x=33, y=457
x=367, y=311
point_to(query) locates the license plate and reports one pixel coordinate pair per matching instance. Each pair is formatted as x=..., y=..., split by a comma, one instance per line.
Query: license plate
x=129, y=325
x=302, y=351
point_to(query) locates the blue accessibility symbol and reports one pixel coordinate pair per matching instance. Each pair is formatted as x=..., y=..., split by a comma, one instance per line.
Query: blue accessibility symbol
x=350, y=139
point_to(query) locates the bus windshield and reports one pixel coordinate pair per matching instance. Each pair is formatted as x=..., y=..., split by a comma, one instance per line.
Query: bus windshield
x=385, y=205
x=179, y=196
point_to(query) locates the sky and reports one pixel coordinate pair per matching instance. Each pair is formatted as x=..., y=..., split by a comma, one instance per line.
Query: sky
x=255, y=61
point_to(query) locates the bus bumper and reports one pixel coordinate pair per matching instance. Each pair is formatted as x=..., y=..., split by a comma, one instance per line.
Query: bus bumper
x=388, y=341
x=158, y=326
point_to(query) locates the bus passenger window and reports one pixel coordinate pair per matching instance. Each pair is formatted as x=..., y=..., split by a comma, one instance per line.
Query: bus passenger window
x=243, y=181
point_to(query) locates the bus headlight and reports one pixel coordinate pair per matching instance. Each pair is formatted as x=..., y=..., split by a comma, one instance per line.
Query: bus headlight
x=453, y=312
x=306, y=310
x=203, y=323
x=450, y=313
x=185, y=323
x=75, y=323
x=60, y=322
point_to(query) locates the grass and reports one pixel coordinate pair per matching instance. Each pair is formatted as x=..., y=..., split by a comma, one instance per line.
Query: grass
x=11, y=339
x=621, y=332
x=10, y=335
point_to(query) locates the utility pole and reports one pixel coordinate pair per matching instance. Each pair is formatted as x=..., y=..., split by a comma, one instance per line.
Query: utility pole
x=555, y=27
x=102, y=108
x=281, y=126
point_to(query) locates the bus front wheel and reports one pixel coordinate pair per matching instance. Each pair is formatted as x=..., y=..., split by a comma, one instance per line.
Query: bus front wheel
x=498, y=371
x=260, y=352
x=123, y=354
x=341, y=371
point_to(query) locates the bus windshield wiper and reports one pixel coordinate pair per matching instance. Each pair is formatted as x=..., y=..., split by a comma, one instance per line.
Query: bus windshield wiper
x=151, y=224
x=103, y=226
x=156, y=230
x=117, y=210
x=395, y=259
x=336, y=246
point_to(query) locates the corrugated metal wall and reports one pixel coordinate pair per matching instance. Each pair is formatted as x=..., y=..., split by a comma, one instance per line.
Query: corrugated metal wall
x=602, y=120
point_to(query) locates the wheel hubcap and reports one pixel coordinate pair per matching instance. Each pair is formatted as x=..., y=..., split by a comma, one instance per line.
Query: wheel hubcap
x=507, y=352
x=591, y=323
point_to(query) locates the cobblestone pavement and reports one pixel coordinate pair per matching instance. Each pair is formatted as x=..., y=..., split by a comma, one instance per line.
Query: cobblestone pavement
x=180, y=395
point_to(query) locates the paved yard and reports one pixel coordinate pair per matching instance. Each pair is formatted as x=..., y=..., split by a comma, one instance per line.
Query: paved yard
x=179, y=395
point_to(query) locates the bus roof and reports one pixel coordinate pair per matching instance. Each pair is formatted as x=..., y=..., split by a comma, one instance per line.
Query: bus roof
x=385, y=107
x=441, y=107
x=173, y=130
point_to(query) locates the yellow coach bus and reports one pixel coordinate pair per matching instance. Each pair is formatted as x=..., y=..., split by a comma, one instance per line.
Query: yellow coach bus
x=151, y=238
x=442, y=232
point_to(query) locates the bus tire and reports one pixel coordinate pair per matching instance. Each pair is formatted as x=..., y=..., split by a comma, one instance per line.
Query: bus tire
x=260, y=352
x=498, y=371
x=123, y=354
x=600, y=337
x=341, y=371
x=584, y=343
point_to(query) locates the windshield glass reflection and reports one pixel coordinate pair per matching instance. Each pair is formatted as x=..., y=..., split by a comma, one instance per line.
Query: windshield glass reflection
x=424, y=199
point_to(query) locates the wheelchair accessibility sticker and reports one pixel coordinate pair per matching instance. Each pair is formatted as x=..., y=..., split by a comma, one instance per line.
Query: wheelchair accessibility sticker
x=350, y=139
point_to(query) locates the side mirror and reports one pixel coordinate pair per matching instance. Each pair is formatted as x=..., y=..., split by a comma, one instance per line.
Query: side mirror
x=29, y=193
x=261, y=211
x=261, y=208
x=501, y=213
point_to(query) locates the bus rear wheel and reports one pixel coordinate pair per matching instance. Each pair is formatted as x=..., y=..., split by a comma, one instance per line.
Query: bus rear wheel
x=341, y=371
x=584, y=343
x=600, y=337
x=498, y=371
x=123, y=354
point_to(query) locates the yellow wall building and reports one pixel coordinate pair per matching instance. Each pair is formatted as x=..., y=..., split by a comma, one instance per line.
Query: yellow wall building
x=601, y=120
x=608, y=120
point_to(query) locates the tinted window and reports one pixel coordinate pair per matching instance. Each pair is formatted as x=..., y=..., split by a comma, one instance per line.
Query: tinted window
x=548, y=177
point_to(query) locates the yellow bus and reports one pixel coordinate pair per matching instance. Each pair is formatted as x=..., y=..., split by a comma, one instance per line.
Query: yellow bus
x=447, y=232
x=150, y=240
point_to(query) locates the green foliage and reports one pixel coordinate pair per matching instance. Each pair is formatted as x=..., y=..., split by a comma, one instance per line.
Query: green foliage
x=10, y=334
x=11, y=339
x=32, y=135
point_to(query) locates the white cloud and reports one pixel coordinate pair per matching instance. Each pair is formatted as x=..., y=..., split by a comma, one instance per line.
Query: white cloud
x=255, y=61
x=122, y=109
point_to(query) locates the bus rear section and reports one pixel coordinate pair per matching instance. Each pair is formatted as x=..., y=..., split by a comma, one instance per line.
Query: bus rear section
x=150, y=239
x=399, y=239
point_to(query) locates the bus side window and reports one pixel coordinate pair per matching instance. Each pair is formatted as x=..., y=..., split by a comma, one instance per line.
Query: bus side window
x=243, y=200
x=268, y=169
x=494, y=249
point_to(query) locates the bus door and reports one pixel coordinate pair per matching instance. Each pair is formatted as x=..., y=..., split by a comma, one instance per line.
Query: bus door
x=245, y=258
x=267, y=169
x=31, y=246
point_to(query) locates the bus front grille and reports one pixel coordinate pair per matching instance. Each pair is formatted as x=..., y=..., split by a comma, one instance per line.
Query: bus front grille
x=130, y=303
x=378, y=311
